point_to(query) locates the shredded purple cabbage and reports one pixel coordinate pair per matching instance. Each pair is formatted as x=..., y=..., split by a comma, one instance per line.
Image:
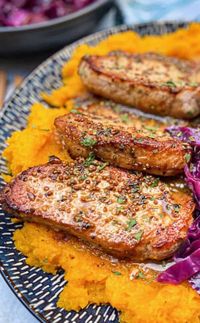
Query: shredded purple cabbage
x=187, y=259
x=22, y=12
x=192, y=171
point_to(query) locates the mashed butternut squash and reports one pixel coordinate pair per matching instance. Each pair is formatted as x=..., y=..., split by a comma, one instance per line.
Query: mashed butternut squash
x=91, y=277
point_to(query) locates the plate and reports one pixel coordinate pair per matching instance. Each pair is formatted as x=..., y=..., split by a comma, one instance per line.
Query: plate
x=38, y=290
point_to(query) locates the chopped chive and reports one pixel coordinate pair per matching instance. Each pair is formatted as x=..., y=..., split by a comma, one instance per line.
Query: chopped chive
x=187, y=157
x=155, y=183
x=140, y=140
x=169, y=83
x=193, y=84
x=124, y=117
x=88, y=142
x=75, y=111
x=131, y=223
x=117, y=273
x=135, y=189
x=140, y=275
x=151, y=135
x=83, y=177
x=102, y=166
x=138, y=235
x=150, y=128
x=89, y=161
x=121, y=199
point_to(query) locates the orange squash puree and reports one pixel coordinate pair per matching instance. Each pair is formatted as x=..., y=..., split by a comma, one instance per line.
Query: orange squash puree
x=36, y=143
x=91, y=278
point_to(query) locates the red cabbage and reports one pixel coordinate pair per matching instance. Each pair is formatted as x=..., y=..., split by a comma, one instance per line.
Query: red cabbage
x=192, y=171
x=23, y=12
x=187, y=258
x=186, y=134
x=17, y=17
x=192, y=174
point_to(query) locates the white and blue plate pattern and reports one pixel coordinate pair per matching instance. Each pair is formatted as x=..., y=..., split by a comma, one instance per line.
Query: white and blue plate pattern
x=38, y=290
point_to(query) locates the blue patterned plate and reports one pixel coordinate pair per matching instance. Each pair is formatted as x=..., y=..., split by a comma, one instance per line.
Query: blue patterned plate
x=38, y=290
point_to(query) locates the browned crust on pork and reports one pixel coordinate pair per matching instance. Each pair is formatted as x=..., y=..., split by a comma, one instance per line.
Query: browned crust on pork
x=101, y=75
x=98, y=203
x=120, y=145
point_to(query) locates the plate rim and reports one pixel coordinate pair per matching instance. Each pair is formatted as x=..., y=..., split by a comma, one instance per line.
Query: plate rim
x=84, y=40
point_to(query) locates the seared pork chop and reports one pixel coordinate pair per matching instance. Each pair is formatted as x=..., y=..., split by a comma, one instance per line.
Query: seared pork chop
x=128, y=116
x=126, y=214
x=150, y=82
x=126, y=147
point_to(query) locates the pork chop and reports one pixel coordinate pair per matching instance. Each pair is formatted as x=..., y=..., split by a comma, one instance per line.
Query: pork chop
x=126, y=147
x=127, y=116
x=126, y=214
x=150, y=82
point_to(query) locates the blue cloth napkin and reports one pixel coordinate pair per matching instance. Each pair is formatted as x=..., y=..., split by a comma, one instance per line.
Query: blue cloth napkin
x=141, y=11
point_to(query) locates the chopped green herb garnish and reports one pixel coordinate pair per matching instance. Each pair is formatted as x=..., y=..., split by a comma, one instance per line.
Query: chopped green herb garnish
x=102, y=166
x=117, y=273
x=191, y=138
x=75, y=111
x=140, y=275
x=152, y=198
x=124, y=117
x=161, y=216
x=88, y=142
x=193, y=84
x=116, y=108
x=131, y=223
x=150, y=128
x=169, y=83
x=140, y=140
x=187, y=157
x=135, y=189
x=190, y=113
x=151, y=135
x=83, y=177
x=138, y=235
x=89, y=161
x=122, y=199
x=155, y=183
